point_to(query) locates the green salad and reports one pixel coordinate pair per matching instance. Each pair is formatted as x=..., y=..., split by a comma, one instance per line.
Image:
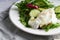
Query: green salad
x=33, y=13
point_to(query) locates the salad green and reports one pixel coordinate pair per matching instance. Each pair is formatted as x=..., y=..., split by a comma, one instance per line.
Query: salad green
x=50, y=26
x=41, y=3
x=27, y=8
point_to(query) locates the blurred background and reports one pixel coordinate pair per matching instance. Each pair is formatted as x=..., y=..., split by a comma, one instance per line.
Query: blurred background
x=10, y=32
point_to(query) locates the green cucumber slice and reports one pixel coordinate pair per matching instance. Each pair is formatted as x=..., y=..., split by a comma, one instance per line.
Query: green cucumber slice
x=57, y=9
x=34, y=13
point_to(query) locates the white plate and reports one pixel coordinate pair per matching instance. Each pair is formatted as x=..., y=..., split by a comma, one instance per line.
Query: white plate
x=14, y=16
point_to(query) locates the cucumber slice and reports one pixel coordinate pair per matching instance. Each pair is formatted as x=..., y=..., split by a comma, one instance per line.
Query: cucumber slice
x=57, y=9
x=34, y=13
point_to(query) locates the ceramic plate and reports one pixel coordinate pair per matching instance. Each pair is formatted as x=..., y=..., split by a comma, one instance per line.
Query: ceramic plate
x=14, y=16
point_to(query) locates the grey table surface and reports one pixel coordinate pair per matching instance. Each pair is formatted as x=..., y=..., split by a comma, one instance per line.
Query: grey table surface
x=8, y=31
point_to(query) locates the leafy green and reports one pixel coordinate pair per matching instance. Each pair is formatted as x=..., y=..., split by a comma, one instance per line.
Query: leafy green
x=50, y=26
x=23, y=12
x=44, y=4
x=41, y=3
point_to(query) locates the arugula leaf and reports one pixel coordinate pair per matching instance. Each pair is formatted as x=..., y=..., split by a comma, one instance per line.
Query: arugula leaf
x=23, y=12
x=50, y=26
x=44, y=3
x=29, y=1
